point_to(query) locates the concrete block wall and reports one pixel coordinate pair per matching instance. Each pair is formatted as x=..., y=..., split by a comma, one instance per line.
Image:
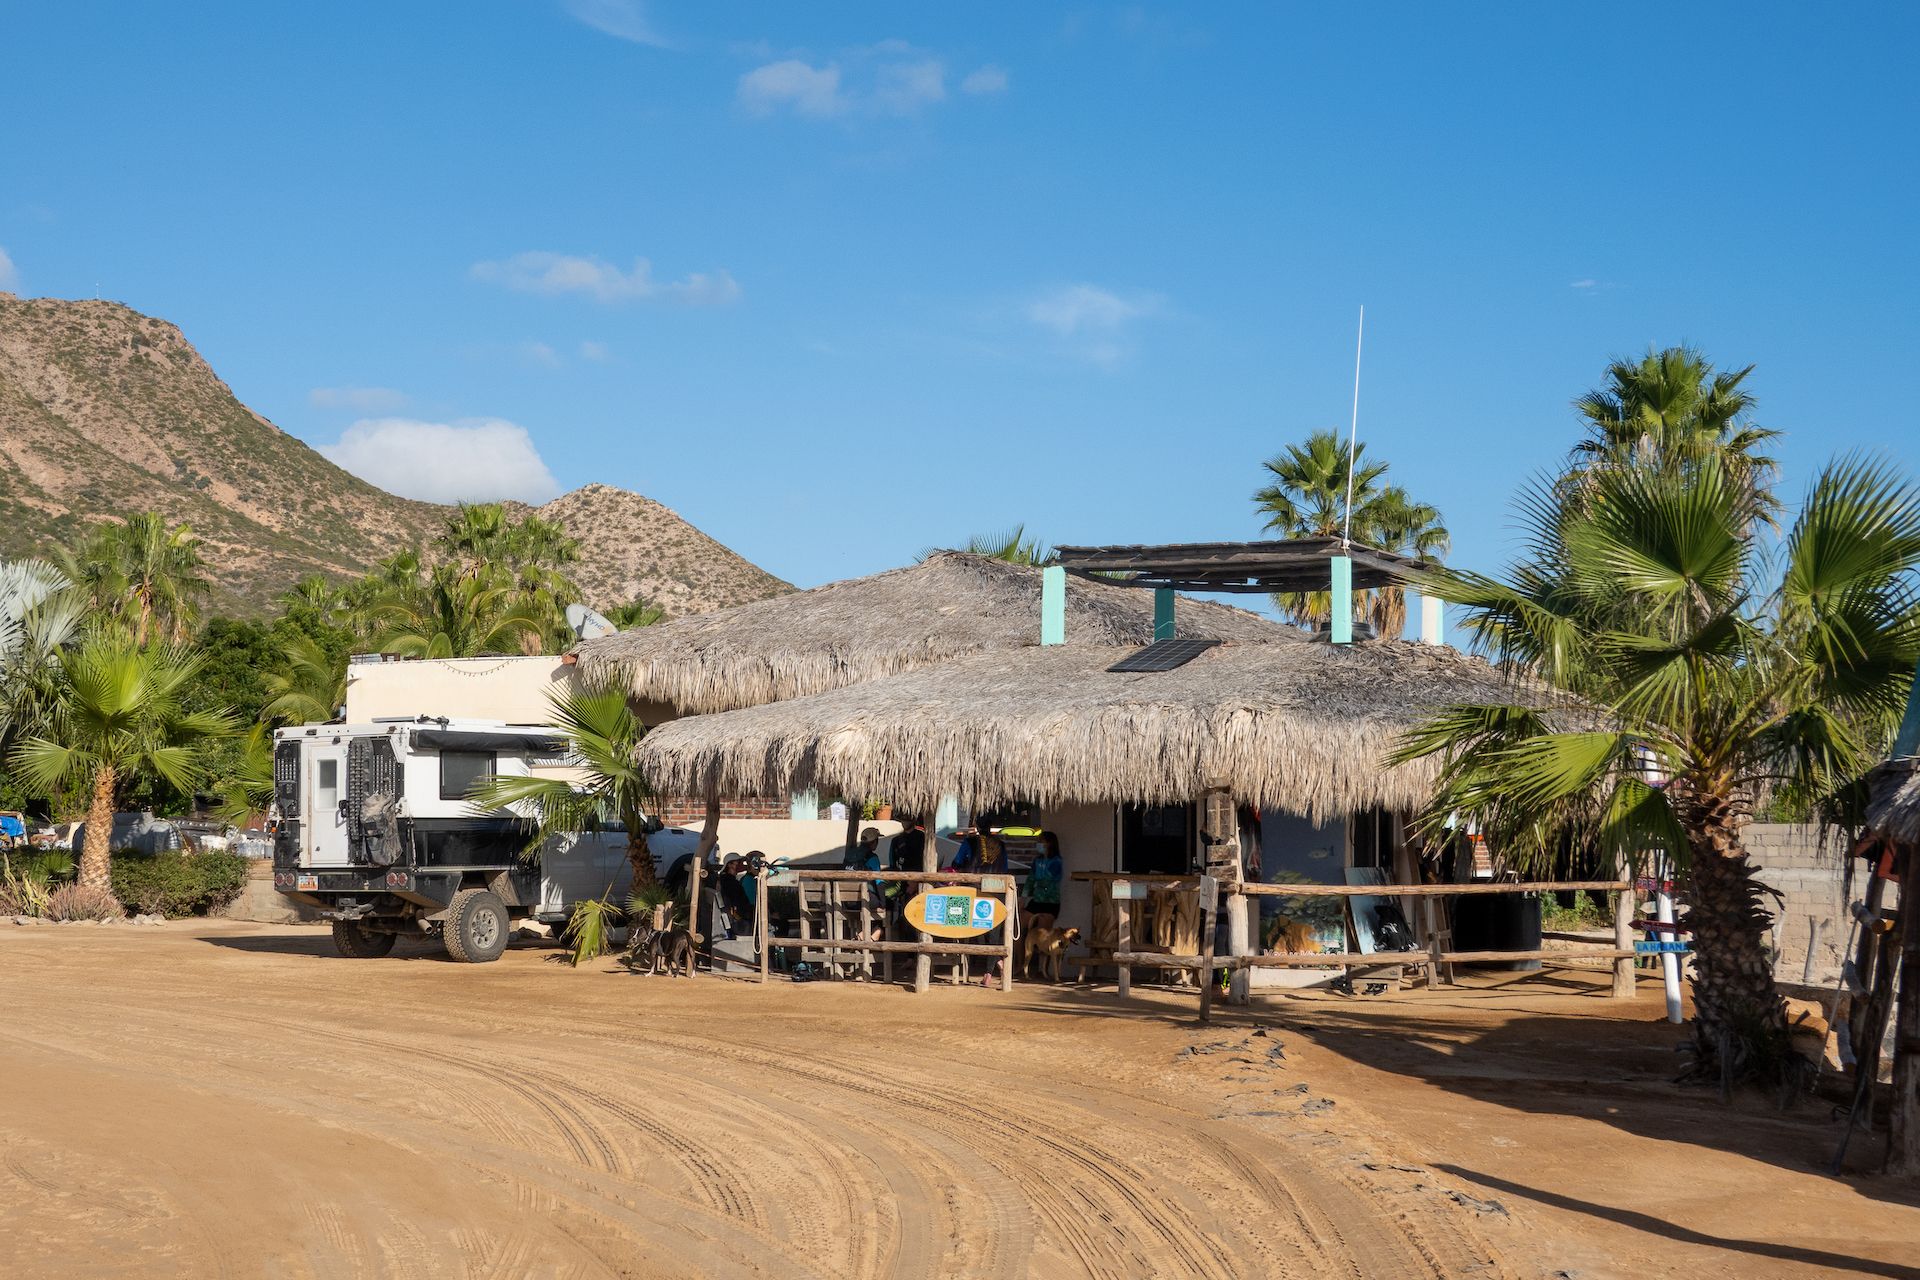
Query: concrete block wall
x=1808, y=871
x=259, y=903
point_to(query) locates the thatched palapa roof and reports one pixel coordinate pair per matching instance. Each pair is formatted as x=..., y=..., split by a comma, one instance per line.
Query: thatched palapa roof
x=1894, y=807
x=1298, y=726
x=949, y=605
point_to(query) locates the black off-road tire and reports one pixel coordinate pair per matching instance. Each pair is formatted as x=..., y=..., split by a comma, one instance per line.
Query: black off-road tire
x=477, y=926
x=357, y=942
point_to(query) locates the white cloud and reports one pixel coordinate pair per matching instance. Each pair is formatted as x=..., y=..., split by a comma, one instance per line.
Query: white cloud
x=987, y=79
x=808, y=90
x=1084, y=308
x=1583, y=284
x=623, y=19
x=539, y=353
x=902, y=88
x=887, y=78
x=9, y=274
x=358, y=399
x=469, y=460
x=558, y=273
x=595, y=351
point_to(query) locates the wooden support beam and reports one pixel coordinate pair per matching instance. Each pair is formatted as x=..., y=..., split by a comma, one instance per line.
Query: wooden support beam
x=1013, y=921
x=1623, y=914
x=933, y=948
x=1424, y=890
x=1903, y=1145
x=1354, y=959
x=709, y=840
x=929, y=863
x=762, y=929
x=1209, y=904
x=1123, y=943
x=903, y=877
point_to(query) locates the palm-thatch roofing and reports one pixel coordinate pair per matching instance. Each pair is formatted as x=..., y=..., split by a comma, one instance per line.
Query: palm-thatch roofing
x=949, y=605
x=1893, y=808
x=1297, y=726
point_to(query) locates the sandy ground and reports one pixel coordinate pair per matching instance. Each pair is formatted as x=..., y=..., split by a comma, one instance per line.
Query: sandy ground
x=234, y=1100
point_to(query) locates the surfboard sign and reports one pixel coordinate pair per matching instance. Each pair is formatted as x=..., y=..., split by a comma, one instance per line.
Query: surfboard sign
x=955, y=913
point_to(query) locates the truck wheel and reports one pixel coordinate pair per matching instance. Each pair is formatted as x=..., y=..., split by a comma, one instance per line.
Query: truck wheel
x=477, y=926
x=357, y=942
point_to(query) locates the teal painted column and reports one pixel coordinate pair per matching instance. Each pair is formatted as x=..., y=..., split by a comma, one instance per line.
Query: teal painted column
x=1163, y=613
x=1053, y=605
x=1342, y=629
x=1908, y=743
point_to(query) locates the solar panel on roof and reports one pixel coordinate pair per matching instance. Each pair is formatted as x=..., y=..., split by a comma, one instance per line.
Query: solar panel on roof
x=1164, y=655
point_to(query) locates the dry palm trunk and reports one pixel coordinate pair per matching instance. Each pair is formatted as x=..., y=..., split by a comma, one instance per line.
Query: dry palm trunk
x=96, y=854
x=1740, y=1022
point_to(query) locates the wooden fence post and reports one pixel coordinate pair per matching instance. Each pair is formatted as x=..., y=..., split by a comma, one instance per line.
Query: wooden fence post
x=1623, y=907
x=709, y=839
x=923, y=963
x=1903, y=1146
x=1013, y=921
x=1209, y=905
x=761, y=931
x=1123, y=936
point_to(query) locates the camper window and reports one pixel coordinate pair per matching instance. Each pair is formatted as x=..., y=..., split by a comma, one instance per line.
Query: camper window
x=460, y=770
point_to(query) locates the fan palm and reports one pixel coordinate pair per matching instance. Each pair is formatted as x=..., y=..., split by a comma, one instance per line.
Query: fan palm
x=121, y=714
x=1308, y=497
x=1395, y=522
x=450, y=616
x=1010, y=546
x=1673, y=408
x=637, y=612
x=312, y=686
x=40, y=617
x=1650, y=599
x=601, y=731
x=144, y=573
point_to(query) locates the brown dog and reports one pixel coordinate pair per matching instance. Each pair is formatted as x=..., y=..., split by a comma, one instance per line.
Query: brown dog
x=1049, y=946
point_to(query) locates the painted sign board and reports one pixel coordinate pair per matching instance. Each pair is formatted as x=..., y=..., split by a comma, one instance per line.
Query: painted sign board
x=1123, y=890
x=955, y=913
x=993, y=884
x=1660, y=948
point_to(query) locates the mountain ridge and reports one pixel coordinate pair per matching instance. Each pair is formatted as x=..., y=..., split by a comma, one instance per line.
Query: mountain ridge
x=105, y=410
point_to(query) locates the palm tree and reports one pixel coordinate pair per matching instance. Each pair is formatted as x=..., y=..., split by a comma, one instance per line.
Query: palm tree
x=248, y=789
x=40, y=617
x=1650, y=600
x=1395, y=522
x=1308, y=497
x=1673, y=408
x=120, y=715
x=1011, y=546
x=530, y=556
x=601, y=731
x=311, y=688
x=637, y=612
x=145, y=574
x=451, y=616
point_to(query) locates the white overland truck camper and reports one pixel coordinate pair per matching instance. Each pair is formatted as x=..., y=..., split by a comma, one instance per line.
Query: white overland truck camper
x=373, y=827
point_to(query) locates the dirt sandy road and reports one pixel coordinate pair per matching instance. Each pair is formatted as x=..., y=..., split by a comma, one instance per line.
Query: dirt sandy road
x=236, y=1101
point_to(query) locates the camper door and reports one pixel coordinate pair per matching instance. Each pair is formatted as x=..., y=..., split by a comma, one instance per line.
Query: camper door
x=326, y=795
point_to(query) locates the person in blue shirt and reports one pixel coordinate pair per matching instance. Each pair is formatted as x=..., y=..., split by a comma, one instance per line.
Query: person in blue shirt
x=1042, y=907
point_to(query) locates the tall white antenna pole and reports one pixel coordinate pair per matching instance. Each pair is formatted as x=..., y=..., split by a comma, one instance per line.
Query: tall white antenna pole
x=1353, y=434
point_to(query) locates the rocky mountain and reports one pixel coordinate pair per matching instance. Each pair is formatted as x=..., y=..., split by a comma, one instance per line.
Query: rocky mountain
x=104, y=411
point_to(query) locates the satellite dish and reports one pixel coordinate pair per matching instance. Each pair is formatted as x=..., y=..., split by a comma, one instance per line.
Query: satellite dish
x=587, y=624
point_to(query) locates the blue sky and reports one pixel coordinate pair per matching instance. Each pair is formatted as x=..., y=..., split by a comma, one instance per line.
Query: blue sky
x=841, y=282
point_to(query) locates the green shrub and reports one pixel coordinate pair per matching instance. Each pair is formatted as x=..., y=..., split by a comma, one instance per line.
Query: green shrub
x=178, y=884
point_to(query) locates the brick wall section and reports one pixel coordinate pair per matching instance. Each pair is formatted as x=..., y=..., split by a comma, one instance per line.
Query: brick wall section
x=680, y=811
x=1808, y=873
